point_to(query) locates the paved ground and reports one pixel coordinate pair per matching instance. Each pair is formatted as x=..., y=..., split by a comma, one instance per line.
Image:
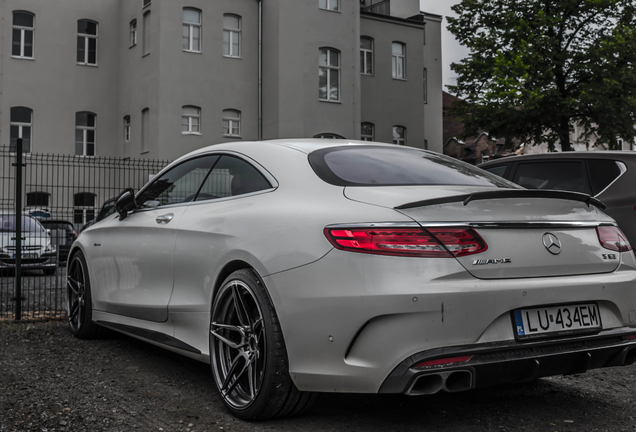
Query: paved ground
x=50, y=381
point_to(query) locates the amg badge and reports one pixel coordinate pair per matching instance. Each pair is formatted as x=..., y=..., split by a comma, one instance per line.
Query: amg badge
x=492, y=261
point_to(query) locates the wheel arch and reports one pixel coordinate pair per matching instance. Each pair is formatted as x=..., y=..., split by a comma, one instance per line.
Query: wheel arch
x=230, y=268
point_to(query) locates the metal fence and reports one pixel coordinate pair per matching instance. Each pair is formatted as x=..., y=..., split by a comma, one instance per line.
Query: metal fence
x=61, y=192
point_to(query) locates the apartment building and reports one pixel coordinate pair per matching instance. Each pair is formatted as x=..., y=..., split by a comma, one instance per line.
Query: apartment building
x=158, y=78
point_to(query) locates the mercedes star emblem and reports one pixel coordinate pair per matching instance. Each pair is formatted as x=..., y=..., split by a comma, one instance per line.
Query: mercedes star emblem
x=552, y=243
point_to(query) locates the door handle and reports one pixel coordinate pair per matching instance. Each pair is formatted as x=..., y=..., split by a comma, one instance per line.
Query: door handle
x=164, y=219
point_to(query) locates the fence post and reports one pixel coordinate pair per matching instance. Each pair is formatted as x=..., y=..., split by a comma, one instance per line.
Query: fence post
x=18, y=230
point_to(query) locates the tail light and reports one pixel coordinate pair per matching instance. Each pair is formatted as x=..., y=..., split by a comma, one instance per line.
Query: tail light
x=612, y=238
x=413, y=242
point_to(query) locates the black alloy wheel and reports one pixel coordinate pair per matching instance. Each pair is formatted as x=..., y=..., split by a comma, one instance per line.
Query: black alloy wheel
x=78, y=300
x=247, y=352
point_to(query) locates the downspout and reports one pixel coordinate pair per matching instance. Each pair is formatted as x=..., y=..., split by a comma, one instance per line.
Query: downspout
x=260, y=69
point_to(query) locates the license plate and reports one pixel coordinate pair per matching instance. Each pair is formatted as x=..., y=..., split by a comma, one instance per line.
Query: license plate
x=556, y=320
x=28, y=256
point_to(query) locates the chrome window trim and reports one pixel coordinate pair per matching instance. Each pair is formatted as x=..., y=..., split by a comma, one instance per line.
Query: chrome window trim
x=623, y=168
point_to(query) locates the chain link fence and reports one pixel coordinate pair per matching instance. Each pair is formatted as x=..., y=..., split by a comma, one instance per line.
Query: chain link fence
x=58, y=194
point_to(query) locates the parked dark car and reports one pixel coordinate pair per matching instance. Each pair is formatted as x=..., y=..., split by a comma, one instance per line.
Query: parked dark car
x=609, y=176
x=108, y=208
x=62, y=235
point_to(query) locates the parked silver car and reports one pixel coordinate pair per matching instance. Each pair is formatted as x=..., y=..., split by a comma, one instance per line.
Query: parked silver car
x=38, y=253
x=303, y=266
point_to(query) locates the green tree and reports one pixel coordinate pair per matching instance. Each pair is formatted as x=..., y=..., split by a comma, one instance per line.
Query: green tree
x=537, y=67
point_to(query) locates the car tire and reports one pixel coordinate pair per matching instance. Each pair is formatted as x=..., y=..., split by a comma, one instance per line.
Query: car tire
x=79, y=305
x=248, y=354
x=49, y=272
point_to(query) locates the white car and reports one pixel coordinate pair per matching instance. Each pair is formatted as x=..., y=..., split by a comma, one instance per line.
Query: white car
x=302, y=266
x=38, y=253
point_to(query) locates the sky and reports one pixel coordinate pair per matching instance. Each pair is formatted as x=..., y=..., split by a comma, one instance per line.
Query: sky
x=451, y=50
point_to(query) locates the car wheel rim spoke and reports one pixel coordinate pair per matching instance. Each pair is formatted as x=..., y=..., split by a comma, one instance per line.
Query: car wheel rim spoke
x=226, y=341
x=75, y=294
x=239, y=305
x=232, y=380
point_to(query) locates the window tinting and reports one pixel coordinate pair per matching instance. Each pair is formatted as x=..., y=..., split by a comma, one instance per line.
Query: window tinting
x=232, y=176
x=178, y=185
x=381, y=166
x=498, y=170
x=567, y=176
x=602, y=173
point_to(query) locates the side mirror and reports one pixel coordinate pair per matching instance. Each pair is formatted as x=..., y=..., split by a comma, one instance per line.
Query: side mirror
x=125, y=202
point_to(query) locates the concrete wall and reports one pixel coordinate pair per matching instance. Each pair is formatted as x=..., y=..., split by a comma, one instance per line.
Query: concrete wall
x=433, y=109
x=386, y=101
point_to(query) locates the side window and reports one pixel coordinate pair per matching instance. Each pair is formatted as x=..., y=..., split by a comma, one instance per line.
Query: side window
x=568, y=176
x=603, y=172
x=497, y=170
x=178, y=185
x=232, y=176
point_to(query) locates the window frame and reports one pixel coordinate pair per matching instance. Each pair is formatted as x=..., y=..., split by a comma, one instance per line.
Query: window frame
x=127, y=128
x=191, y=26
x=327, y=4
x=364, y=137
x=23, y=30
x=328, y=69
x=398, y=59
x=133, y=33
x=364, y=53
x=236, y=32
x=401, y=141
x=231, y=120
x=145, y=43
x=86, y=38
x=145, y=3
x=189, y=118
x=85, y=130
x=21, y=126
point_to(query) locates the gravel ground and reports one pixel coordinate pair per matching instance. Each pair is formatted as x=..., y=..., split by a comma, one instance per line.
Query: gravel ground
x=50, y=381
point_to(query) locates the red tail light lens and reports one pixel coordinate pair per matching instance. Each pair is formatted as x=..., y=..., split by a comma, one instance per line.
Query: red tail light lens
x=612, y=238
x=444, y=361
x=414, y=242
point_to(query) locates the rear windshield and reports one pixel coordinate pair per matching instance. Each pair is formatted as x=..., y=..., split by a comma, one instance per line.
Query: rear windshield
x=399, y=166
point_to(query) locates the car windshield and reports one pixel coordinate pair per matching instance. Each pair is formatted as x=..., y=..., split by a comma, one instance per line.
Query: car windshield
x=8, y=224
x=399, y=166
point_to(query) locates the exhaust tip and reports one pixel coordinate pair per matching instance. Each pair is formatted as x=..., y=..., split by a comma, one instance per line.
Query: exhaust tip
x=459, y=381
x=426, y=385
x=630, y=357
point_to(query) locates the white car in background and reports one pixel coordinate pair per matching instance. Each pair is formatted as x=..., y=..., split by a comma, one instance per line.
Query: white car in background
x=38, y=253
x=302, y=266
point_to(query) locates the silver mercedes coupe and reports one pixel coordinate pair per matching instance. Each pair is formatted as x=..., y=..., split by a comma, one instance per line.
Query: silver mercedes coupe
x=295, y=267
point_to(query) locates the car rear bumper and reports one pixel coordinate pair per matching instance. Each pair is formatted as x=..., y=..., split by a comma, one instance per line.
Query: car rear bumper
x=473, y=366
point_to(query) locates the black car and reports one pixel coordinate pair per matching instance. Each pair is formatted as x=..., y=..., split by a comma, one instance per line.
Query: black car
x=62, y=235
x=609, y=176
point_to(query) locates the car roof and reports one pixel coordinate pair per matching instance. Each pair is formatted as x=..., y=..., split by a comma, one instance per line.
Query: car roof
x=607, y=154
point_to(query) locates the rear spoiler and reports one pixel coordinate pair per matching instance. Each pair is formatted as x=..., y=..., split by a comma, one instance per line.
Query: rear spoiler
x=507, y=193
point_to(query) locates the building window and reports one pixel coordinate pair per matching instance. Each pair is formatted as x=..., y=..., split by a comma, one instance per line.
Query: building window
x=145, y=129
x=329, y=74
x=366, y=56
x=231, y=123
x=191, y=120
x=23, y=28
x=231, y=35
x=87, y=42
x=85, y=133
x=399, y=60
x=332, y=5
x=127, y=128
x=328, y=136
x=399, y=135
x=20, y=127
x=191, y=30
x=84, y=209
x=37, y=199
x=146, y=41
x=367, y=131
x=145, y=3
x=425, y=85
x=133, y=33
